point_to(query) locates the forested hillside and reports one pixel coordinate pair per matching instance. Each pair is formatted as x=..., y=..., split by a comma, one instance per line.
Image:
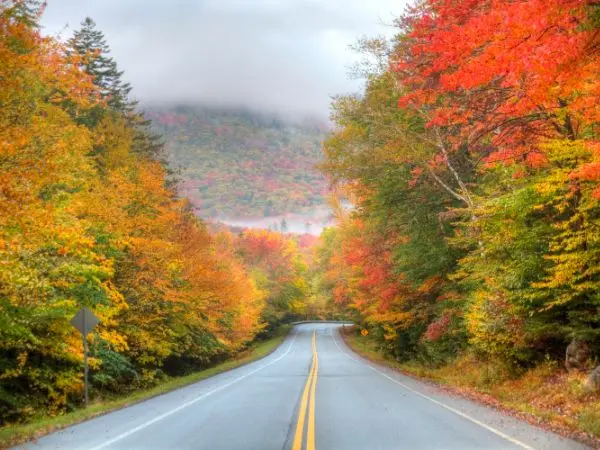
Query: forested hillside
x=474, y=162
x=242, y=164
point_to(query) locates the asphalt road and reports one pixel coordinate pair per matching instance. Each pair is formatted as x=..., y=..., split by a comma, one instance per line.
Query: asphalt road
x=312, y=392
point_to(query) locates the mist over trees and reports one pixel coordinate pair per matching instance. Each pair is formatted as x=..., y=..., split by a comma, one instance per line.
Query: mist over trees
x=238, y=163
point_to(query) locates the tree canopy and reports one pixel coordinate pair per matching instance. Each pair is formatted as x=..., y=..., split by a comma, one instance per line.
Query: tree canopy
x=472, y=156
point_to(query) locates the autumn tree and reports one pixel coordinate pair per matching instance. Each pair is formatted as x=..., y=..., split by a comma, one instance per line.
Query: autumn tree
x=472, y=156
x=513, y=84
x=88, y=220
x=279, y=270
x=394, y=258
x=51, y=265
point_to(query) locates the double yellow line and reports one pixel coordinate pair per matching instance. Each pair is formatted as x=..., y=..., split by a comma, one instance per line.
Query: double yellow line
x=309, y=390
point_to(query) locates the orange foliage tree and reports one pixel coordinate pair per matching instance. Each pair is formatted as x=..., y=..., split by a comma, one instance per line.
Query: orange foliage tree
x=279, y=270
x=87, y=219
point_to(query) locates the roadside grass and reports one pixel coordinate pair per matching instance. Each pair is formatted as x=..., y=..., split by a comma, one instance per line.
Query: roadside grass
x=17, y=434
x=546, y=395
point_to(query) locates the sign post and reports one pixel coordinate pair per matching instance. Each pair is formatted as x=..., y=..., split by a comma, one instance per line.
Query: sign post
x=85, y=321
x=364, y=333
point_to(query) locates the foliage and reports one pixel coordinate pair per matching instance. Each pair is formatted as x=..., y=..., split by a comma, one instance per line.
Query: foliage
x=472, y=159
x=87, y=219
x=12, y=435
x=90, y=52
x=279, y=270
x=89, y=44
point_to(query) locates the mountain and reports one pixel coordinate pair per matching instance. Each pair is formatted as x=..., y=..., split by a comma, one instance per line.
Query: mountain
x=236, y=164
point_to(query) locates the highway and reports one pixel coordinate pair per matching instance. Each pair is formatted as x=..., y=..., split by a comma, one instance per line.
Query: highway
x=313, y=392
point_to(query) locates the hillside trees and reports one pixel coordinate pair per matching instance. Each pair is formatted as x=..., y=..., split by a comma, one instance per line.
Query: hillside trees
x=241, y=164
x=280, y=271
x=88, y=220
x=473, y=160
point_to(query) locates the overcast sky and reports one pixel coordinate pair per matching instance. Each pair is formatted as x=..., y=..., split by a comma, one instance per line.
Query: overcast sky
x=285, y=56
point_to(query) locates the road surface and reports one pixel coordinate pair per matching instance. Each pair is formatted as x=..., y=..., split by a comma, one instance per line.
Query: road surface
x=311, y=393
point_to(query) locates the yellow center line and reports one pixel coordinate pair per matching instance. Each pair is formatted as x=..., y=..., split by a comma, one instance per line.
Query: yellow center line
x=310, y=435
x=309, y=389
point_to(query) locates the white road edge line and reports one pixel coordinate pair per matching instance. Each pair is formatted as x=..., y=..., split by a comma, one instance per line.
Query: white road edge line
x=443, y=405
x=191, y=402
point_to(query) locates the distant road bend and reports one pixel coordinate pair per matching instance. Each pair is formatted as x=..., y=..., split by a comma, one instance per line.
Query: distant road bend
x=311, y=393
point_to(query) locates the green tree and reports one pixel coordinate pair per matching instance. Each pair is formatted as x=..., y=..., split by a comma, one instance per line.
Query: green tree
x=89, y=45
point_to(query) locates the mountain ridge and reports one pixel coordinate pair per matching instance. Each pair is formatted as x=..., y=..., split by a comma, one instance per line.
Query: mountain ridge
x=236, y=163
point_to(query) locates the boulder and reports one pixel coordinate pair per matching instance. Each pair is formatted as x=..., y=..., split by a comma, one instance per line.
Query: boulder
x=592, y=384
x=577, y=355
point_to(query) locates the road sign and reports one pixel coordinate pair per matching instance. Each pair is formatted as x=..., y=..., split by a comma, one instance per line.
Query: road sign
x=85, y=321
x=364, y=332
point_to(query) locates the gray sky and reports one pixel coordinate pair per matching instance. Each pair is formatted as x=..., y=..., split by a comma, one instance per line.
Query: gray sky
x=285, y=56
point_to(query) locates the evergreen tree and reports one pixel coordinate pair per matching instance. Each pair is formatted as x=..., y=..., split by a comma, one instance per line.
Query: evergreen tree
x=89, y=44
x=23, y=11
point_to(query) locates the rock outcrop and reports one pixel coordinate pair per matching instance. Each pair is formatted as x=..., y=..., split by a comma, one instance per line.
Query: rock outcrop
x=577, y=355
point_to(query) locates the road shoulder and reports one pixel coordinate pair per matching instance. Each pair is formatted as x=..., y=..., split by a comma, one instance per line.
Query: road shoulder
x=18, y=434
x=474, y=404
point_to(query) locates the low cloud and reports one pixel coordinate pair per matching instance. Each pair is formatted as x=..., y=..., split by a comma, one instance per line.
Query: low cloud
x=284, y=56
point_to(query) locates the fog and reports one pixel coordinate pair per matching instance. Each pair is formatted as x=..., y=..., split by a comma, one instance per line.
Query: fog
x=313, y=222
x=280, y=56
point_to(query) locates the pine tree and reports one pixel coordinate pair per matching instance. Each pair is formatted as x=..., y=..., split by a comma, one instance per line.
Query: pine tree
x=90, y=44
x=24, y=11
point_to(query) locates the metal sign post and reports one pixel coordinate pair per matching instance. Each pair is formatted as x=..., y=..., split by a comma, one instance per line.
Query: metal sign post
x=364, y=332
x=85, y=321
